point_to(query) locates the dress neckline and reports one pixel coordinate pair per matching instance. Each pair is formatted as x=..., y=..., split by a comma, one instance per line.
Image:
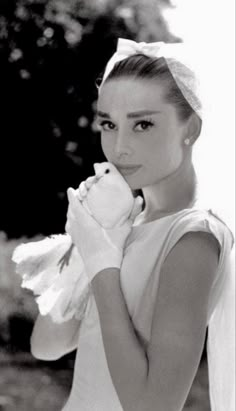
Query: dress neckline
x=161, y=219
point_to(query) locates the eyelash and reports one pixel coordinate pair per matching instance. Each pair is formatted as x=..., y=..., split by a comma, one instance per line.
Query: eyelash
x=103, y=124
x=148, y=123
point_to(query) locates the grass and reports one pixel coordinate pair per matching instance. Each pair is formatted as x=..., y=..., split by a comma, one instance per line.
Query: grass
x=26, y=385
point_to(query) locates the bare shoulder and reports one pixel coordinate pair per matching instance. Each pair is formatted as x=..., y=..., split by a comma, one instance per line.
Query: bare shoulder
x=200, y=239
x=196, y=253
x=193, y=258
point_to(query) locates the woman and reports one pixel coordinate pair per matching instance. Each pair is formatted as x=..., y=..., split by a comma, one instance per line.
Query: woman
x=156, y=281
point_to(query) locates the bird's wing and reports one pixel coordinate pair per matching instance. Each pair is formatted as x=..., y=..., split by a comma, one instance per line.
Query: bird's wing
x=34, y=257
x=62, y=290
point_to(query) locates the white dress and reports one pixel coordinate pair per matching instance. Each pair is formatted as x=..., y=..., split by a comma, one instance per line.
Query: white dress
x=146, y=249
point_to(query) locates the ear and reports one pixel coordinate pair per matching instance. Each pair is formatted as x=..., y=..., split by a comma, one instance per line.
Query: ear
x=194, y=128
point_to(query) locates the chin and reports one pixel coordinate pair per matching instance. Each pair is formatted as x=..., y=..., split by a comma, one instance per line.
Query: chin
x=132, y=184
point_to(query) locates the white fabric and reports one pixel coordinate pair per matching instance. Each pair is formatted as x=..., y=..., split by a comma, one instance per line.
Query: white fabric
x=146, y=249
x=183, y=69
x=221, y=346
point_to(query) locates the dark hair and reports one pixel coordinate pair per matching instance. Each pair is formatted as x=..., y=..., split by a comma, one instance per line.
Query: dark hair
x=145, y=67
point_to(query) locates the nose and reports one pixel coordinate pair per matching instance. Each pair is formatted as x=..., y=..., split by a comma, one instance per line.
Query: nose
x=122, y=146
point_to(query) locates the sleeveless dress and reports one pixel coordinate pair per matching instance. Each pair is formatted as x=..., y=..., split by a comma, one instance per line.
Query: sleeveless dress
x=146, y=249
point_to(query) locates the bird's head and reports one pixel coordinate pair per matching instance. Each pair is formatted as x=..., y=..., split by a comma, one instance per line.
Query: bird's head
x=101, y=169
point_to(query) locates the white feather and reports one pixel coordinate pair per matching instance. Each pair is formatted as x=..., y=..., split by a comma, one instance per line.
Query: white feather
x=34, y=257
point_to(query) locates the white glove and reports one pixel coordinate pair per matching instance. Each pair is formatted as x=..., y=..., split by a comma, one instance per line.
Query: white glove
x=99, y=248
x=106, y=196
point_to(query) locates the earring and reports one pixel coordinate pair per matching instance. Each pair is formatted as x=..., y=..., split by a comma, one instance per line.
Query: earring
x=187, y=141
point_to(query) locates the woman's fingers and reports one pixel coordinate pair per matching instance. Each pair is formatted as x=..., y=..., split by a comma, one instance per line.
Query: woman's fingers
x=83, y=190
x=78, y=195
x=72, y=195
x=90, y=181
x=76, y=210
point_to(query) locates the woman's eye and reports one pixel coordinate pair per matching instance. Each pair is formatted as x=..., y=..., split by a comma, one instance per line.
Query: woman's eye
x=106, y=126
x=143, y=125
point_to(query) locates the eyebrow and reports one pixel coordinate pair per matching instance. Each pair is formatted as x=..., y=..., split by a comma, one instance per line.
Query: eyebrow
x=135, y=114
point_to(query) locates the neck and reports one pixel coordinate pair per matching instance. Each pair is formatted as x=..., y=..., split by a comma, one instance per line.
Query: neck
x=172, y=194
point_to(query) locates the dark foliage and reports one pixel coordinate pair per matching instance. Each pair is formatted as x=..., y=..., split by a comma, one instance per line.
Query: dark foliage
x=47, y=83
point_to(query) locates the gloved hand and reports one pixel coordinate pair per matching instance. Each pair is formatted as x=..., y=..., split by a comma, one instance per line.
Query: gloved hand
x=106, y=196
x=99, y=248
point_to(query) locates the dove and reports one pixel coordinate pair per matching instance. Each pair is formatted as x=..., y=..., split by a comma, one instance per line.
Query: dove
x=52, y=268
x=108, y=197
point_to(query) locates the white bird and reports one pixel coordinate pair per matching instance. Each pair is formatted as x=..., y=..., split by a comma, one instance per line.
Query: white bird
x=53, y=268
x=110, y=199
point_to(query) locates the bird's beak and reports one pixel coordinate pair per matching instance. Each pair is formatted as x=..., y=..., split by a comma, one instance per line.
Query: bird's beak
x=95, y=166
x=98, y=173
x=98, y=176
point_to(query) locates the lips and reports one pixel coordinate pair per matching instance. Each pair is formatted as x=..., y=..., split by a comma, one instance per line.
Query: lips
x=127, y=169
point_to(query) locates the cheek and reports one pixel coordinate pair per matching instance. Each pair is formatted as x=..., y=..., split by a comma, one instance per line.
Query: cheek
x=164, y=155
x=107, y=146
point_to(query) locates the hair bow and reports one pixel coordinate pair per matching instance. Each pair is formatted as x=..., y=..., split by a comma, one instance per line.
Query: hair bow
x=174, y=53
x=127, y=48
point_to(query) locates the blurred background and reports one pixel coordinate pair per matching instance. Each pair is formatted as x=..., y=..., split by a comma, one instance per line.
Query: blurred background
x=51, y=53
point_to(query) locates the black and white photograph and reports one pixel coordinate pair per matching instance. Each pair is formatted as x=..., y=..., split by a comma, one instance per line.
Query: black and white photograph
x=117, y=223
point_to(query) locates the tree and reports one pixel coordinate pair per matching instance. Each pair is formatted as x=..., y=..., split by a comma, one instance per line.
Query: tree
x=51, y=53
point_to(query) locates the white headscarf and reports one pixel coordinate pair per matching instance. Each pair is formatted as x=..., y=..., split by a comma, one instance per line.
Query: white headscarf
x=177, y=58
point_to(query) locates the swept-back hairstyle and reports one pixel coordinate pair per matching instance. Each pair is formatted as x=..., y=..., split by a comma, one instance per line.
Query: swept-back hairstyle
x=140, y=66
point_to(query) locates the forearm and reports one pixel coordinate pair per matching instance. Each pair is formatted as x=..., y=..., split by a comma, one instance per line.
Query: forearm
x=50, y=341
x=126, y=357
